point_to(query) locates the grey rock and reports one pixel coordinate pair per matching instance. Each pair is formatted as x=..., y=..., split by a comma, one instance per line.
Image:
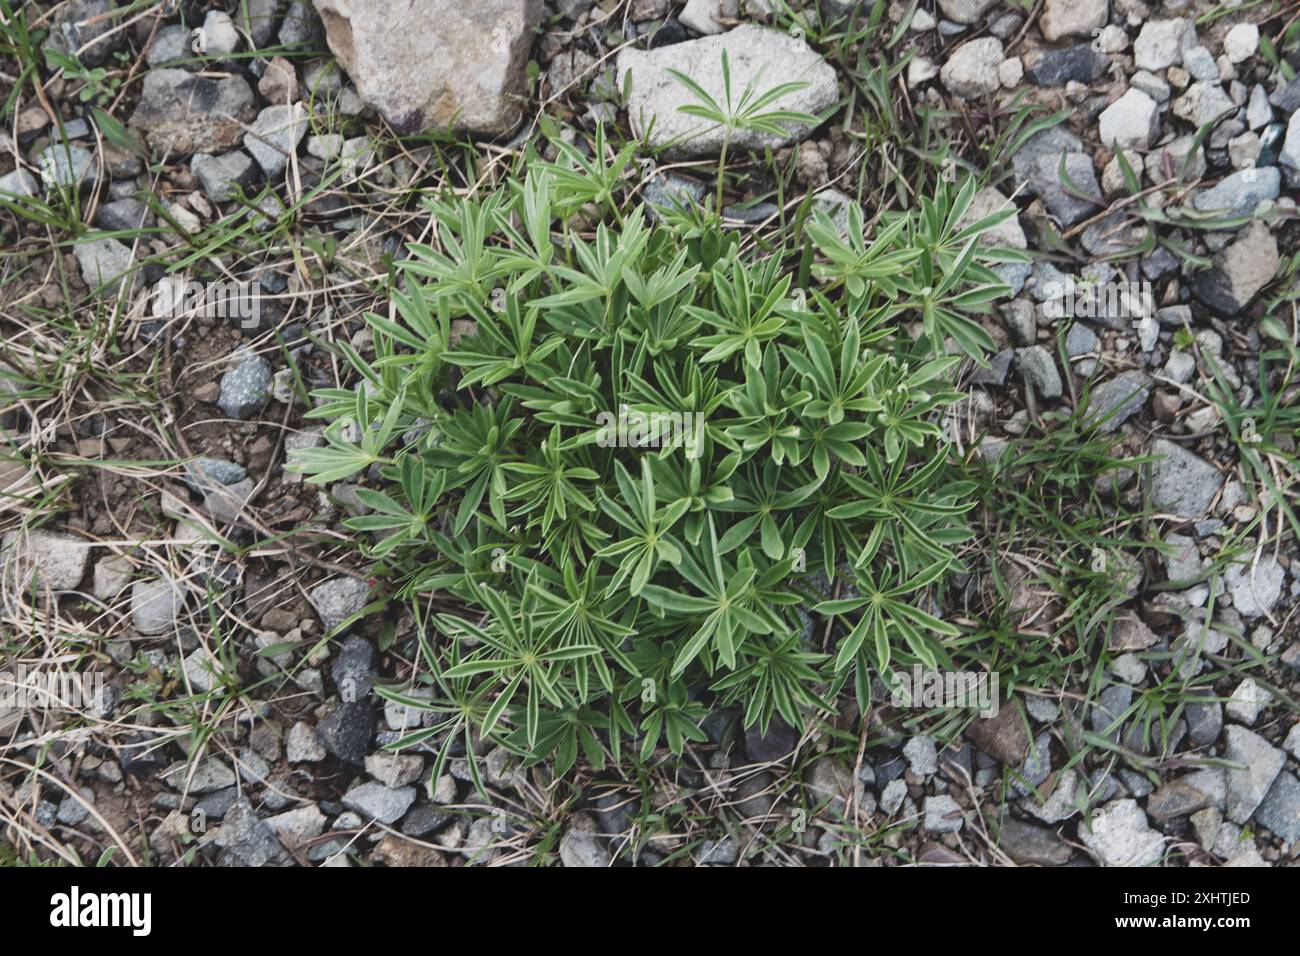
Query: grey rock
x=1115, y=401
x=296, y=827
x=348, y=730
x=105, y=263
x=302, y=26
x=1061, y=803
x=942, y=814
x=965, y=11
x=1133, y=120
x=86, y=28
x=996, y=373
x=354, y=668
x=1255, y=587
x=155, y=605
x=111, y=576
x=1182, y=482
x=275, y=136
x=1246, y=702
x=124, y=215
x=1119, y=835
x=1056, y=67
x=1175, y=799
x=1203, y=103
x=425, y=818
x=337, y=599
x=180, y=113
x=246, y=387
x=972, y=69
x=46, y=558
x=1204, y=721
x=891, y=798
x=1031, y=845
x=66, y=166
x=583, y=848
x=753, y=53
x=1260, y=764
x=1161, y=43
x=1240, y=193
x=779, y=741
x=439, y=64
x=1048, y=142
x=1080, y=340
x=302, y=745
x=1280, y=809
x=1048, y=182
x=1199, y=62
x=1239, y=271
x=246, y=840
x=257, y=19
x=224, y=177
x=18, y=183
x=204, y=473
x=724, y=852
x=171, y=46
x=921, y=755
x=1290, y=155
x=226, y=503
x=1039, y=370
x=1036, y=768
x=1073, y=18
x=667, y=191
x=374, y=801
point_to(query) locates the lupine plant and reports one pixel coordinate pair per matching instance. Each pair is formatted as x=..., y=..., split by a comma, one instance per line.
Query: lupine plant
x=643, y=475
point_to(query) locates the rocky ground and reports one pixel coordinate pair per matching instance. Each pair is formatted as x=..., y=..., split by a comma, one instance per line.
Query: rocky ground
x=152, y=535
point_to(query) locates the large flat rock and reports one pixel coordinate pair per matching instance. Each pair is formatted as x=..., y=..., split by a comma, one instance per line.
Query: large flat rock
x=437, y=63
x=757, y=55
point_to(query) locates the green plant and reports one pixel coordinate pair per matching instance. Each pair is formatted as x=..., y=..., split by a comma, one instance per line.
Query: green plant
x=752, y=110
x=651, y=453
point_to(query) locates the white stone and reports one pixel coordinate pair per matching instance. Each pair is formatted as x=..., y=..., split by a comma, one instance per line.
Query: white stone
x=1241, y=42
x=1162, y=42
x=1072, y=18
x=972, y=70
x=1131, y=121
